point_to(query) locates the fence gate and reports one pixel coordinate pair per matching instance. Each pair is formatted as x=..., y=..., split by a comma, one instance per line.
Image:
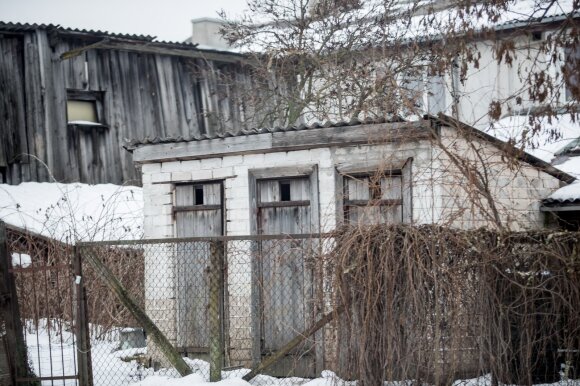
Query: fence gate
x=43, y=311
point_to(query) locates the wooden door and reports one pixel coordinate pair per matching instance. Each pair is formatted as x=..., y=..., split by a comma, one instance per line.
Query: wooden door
x=198, y=213
x=286, y=290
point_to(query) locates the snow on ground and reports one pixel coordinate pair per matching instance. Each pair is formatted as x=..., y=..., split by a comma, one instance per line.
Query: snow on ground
x=74, y=212
x=52, y=351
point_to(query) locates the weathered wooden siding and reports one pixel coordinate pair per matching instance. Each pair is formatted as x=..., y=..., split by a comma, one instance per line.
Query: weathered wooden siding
x=143, y=95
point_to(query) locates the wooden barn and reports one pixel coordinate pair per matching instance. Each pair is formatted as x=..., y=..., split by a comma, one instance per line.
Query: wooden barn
x=69, y=97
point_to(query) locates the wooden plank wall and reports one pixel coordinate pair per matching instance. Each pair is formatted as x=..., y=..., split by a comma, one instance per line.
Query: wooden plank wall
x=144, y=95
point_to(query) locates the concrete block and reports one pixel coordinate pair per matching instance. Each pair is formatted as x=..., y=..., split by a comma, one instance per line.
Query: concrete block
x=173, y=166
x=160, y=177
x=151, y=168
x=211, y=163
x=181, y=176
x=223, y=172
x=232, y=160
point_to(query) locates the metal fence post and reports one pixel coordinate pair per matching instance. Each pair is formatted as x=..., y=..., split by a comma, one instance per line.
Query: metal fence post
x=82, y=323
x=10, y=314
x=216, y=290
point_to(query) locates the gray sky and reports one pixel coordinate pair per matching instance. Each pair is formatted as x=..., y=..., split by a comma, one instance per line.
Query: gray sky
x=166, y=19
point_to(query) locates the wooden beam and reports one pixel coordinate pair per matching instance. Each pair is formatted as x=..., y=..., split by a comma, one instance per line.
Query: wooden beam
x=78, y=51
x=150, y=328
x=283, y=141
x=272, y=359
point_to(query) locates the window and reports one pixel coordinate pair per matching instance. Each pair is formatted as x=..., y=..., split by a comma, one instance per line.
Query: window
x=422, y=92
x=381, y=196
x=373, y=198
x=571, y=69
x=84, y=108
x=198, y=209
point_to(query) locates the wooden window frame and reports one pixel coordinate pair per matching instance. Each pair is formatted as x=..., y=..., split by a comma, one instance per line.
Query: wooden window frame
x=284, y=173
x=97, y=98
x=194, y=208
x=366, y=169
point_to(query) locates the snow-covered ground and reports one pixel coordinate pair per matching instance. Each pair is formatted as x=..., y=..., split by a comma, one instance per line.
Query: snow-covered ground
x=113, y=367
x=74, y=212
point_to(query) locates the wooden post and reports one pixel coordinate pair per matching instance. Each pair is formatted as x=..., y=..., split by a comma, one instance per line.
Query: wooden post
x=216, y=290
x=272, y=359
x=82, y=324
x=150, y=328
x=10, y=313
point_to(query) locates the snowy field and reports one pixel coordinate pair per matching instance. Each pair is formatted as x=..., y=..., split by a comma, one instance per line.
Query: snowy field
x=113, y=367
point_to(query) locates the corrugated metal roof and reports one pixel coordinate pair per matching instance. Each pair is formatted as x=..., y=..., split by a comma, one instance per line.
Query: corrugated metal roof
x=23, y=27
x=132, y=38
x=134, y=143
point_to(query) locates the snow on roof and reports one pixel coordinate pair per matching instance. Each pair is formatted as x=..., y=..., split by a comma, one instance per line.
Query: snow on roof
x=543, y=141
x=566, y=194
x=550, y=137
x=74, y=212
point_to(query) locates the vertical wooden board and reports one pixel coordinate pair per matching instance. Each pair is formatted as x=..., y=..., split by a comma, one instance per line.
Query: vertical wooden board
x=407, y=192
x=12, y=102
x=300, y=189
x=391, y=188
x=212, y=194
x=184, y=196
x=34, y=106
x=269, y=191
x=357, y=188
x=193, y=294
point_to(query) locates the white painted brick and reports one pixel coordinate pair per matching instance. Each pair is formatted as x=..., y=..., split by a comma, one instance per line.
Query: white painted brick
x=223, y=172
x=237, y=203
x=191, y=165
x=300, y=156
x=241, y=214
x=174, y=166
x=160, y=232
x=146, y=179
x=211, y=163
x=180, y=176
x=232, y=160
x=150, y=168
x=198, y=175
x=160, y=177
x=254, y=160
x=160, y=199
x=160, y=189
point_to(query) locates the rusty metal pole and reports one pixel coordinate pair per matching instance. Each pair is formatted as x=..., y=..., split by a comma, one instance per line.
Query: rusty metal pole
x=216, y=290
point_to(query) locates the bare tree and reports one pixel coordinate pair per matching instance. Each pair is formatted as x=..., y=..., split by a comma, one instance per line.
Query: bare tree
x=339, y=59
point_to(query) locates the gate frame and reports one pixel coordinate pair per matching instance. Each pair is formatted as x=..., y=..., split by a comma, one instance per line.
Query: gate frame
x=10, y=313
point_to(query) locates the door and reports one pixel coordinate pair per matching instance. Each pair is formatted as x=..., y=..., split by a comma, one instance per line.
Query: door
x=198, y=212
x=286, y=290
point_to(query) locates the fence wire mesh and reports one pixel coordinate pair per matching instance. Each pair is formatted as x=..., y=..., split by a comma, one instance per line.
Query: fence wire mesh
x=423, y=305
x=224, y=304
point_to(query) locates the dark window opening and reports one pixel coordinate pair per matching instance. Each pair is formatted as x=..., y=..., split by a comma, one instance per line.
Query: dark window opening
x=198, y=195
x=285, y=191
x=375, y=189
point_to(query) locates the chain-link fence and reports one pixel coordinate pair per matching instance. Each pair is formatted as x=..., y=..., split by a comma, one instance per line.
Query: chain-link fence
x=229, y=302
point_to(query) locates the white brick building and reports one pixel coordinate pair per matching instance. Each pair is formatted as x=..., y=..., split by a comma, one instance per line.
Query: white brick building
x=313, y=179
